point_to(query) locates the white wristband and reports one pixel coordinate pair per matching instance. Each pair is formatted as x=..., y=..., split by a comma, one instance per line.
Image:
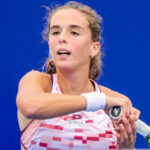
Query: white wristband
x=95, y=101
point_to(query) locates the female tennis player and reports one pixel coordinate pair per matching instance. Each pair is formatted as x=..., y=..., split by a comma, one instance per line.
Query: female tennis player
x=64, y=108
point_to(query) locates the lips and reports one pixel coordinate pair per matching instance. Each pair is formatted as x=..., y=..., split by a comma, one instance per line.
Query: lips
x=63, y=51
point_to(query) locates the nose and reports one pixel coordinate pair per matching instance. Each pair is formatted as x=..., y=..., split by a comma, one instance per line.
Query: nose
x=62, y=38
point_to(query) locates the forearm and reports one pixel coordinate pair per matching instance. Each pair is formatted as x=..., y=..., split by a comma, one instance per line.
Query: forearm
x=46, y=105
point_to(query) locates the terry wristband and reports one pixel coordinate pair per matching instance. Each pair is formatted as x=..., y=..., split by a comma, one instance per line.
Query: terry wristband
x=95, y=101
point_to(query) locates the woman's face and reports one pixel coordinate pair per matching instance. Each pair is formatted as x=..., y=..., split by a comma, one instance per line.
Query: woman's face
x=70, y=40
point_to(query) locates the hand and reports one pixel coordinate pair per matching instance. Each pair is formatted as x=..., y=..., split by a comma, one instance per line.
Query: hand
x=125, y=103
x=136, y=113
x=126, y=130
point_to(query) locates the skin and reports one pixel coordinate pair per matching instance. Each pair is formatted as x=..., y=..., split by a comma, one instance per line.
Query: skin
x=74, y=35
x=34, y=99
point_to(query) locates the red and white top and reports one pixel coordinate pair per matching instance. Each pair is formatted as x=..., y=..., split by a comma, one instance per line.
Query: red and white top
x=77, y=131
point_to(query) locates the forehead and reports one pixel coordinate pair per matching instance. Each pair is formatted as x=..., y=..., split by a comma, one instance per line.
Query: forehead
x=70, y=16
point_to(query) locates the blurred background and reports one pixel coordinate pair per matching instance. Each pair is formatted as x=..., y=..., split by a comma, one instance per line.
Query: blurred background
x=126, y=34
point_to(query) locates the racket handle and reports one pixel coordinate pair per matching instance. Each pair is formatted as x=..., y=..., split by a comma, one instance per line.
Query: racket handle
x=143, y=129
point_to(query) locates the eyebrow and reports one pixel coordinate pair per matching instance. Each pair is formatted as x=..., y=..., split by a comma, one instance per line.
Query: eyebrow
x=54, y=27
x=75, y=26
x=70, y=26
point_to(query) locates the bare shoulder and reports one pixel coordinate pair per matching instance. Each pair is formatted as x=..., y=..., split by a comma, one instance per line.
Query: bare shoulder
x=110, y=92
x=36, y=80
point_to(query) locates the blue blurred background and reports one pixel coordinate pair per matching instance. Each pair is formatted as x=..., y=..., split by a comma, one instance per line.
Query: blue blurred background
x=126, y=46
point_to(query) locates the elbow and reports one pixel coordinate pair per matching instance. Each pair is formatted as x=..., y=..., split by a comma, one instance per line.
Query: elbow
x=30, y=112
x=26, y=107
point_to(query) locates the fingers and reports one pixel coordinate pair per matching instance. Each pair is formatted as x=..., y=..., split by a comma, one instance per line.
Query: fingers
x=124, y=137
x=127, y=132
x=136, y=113
x=125, y=126
x=127, y=106
x=133, y=126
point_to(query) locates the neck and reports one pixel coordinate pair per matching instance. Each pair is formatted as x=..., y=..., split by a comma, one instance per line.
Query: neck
x=75, y=82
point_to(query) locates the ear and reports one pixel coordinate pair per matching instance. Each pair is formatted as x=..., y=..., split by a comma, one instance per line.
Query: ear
x=95, y=49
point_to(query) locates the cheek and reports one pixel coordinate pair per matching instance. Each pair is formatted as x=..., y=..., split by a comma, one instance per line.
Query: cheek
x=83, y=46
x=52, y=45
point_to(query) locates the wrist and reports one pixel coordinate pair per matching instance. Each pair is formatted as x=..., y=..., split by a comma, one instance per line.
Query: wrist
x=95, y=101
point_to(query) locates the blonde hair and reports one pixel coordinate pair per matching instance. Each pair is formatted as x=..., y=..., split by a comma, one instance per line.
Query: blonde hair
x=94, y=20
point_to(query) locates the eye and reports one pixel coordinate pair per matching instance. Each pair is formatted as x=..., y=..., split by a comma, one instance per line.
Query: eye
x=75, y=33
x=55, y=33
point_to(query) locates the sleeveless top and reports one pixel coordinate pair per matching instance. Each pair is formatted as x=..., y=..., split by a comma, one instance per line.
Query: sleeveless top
x=77, y=131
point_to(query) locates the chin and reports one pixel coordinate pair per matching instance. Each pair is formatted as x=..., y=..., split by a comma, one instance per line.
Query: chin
x=65, y=67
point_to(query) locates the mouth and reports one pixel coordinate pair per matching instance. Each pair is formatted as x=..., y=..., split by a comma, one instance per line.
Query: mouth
x=63, y=52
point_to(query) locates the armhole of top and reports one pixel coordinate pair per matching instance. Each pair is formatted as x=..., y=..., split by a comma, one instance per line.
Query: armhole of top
x=96, y=86
x=52, y=78
x=26, y=127
x=99, y=88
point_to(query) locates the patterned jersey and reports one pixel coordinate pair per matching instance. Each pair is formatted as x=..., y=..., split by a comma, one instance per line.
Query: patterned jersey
x=77, y=131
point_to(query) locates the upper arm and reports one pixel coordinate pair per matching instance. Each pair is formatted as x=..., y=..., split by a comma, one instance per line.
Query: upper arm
x=31, y=83
x=34, y=81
